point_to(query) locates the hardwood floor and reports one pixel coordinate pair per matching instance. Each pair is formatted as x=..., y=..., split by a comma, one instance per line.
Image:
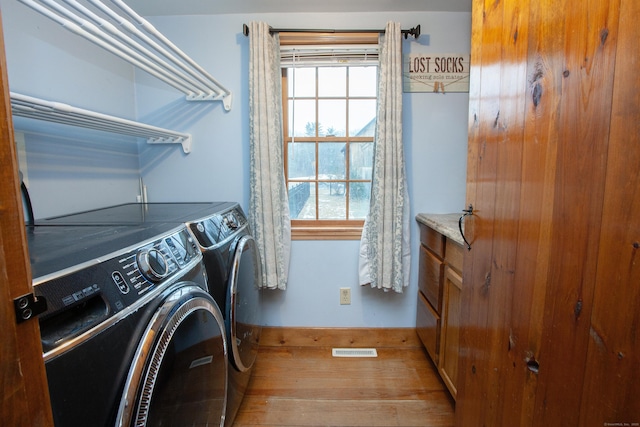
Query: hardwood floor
x=297, y=382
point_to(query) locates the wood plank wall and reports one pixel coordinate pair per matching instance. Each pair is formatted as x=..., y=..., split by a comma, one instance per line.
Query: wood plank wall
x=552, y=283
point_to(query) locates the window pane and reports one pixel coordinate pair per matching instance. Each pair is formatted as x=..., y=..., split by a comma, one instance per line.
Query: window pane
x=332, y=116
x=333, y=200
x=331, y=160
x=362, y=117
x=362, y=81
x=332, y=82
x=360, y=160
x=359, y=195
x=302, y=120
x=308, y=211
x=302, y=82
x=300, y=201
x=301, y=160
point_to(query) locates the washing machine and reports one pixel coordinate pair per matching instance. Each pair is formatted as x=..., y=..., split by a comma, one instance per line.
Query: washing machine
x=233, y=267
x=131, y=335
x=233, y=264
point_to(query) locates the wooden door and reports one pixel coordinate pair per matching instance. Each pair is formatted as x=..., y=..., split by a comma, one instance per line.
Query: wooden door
x=551, y=285
x=25, y=397
x=612, y=375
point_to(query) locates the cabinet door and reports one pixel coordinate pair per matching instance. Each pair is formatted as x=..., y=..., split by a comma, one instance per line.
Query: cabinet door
x=450, y=333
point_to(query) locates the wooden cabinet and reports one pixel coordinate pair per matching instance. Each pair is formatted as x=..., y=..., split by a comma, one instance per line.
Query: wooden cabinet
x=439, y=290
x=430, y=276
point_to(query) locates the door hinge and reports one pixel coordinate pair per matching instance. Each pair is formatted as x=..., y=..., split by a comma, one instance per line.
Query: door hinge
x=27, y=307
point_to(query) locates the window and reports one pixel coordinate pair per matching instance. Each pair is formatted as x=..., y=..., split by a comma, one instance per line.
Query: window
x=329, y=125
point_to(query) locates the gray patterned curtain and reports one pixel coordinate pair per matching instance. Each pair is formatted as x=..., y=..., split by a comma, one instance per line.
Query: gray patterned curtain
x=269, y=208
x=384, y=247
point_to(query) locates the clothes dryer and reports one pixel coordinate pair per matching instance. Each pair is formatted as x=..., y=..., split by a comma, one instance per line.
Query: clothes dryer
x=130, y=334
x=233, y=264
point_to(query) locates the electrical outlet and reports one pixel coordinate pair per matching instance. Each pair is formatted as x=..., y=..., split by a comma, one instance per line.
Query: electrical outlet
x=345, y=296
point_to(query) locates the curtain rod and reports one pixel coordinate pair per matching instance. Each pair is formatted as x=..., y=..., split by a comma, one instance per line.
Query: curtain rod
x=415, y=31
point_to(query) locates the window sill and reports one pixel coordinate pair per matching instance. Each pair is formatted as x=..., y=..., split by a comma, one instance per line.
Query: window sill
x=326, y=233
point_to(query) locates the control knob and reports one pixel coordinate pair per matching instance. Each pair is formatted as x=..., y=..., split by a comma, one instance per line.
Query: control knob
x=230, y=222
x=153, y=265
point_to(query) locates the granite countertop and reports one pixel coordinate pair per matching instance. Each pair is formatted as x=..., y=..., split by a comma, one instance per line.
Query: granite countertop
x=445, y=224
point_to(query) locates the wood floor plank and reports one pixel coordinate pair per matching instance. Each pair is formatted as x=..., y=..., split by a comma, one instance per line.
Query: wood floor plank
x=382, y=366
x=340, y=337
x=344, y=385
x=326, y=412
x=304, y=385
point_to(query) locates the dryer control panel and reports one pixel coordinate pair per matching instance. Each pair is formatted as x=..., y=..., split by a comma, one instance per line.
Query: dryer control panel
x=219, y=228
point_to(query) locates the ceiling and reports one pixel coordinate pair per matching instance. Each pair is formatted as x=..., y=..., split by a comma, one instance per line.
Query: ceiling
x=212, y=7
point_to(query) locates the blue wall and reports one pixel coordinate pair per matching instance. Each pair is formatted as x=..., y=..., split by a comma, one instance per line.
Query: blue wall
x=70, y=169
x=435, y=132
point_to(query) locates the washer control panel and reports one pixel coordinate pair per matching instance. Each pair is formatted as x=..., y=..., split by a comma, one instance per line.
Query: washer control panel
x=148, y=265
x=85, y=298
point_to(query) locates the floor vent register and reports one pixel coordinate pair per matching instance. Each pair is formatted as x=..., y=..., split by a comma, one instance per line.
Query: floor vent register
x=354, y=352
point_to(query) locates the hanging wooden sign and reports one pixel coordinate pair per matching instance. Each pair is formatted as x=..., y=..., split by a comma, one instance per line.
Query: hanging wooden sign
x=438, y=73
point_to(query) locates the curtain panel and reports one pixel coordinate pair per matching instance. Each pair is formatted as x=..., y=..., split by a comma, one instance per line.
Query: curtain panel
x=269, y=207
x=385, y=247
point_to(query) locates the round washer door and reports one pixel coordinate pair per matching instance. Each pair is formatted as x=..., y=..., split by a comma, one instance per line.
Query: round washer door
x=179, y=373
x=244, y=306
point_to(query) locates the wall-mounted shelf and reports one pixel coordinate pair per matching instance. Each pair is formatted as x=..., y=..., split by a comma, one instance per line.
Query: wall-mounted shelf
x=121, y=31
x=34, y=108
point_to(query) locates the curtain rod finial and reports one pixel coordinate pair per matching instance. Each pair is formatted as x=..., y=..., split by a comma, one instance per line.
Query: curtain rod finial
x=245, y=29
x=415, y=32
